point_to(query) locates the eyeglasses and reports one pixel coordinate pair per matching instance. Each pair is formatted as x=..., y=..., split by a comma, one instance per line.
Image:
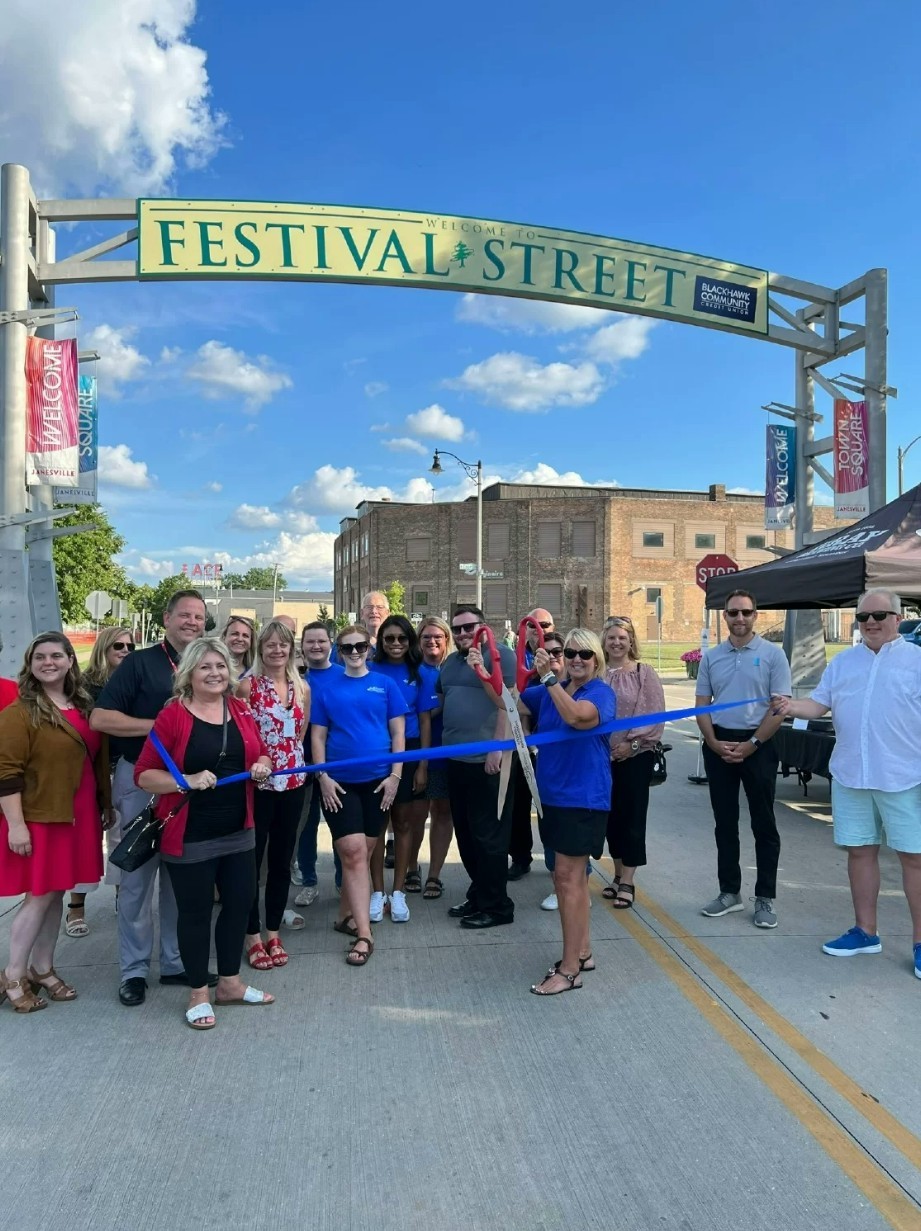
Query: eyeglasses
x=740, y=611
x=122, y=645
x=396, y=639
x=878, y=616
x=557, y=652
x=432, y=637
x=546, y=625
x=463, y=628
x=585, y=655
x=354, y=647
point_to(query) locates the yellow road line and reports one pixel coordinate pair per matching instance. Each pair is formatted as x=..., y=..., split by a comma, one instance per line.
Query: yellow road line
x=890, y=1200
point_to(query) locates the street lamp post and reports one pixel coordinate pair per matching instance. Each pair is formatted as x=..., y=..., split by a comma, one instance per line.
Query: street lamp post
x=473, y=470
x=902, y=453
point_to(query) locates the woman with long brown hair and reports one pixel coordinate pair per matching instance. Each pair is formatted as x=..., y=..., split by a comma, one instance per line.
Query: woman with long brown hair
x=239, y=635
x=52, y=795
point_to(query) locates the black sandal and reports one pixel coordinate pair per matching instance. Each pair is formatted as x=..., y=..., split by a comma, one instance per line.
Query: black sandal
x=571, y=979
x=433, y=888
x=610, y=891
x=413, y=882
x=583, y=965
x=621, y=903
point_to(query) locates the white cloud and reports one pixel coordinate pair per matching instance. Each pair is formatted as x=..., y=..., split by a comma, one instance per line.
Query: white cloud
x=338, y=490
x=435, y=421
x=381, y=427
x=624, y=339
x=119, y=469
x=222, y=371
x=214, y=486
x=374, y=388
x=527, y=315
x=103, y=96
x=147, y=568
x=306, y=559
x=169, y=354
x=744, y=491
x=520, y=382
x=119, y=361
x=403, y=444
x=541, y=473
x=253, y=517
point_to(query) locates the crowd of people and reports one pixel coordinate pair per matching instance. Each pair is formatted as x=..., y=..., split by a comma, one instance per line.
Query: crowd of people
x=157, y=729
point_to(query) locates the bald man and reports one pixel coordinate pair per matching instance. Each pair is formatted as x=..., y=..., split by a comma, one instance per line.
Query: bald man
x=521, y=842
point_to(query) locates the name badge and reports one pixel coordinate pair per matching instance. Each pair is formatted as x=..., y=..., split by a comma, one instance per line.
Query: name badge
x=288, y=728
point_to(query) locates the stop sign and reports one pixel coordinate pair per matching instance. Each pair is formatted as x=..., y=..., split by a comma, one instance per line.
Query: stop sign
x=713, y=566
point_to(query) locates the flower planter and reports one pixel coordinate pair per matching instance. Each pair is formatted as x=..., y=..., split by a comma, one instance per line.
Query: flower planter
x=692, y=669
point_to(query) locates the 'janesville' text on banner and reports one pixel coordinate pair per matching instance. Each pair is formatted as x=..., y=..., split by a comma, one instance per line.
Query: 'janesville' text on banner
x=852, y=460
x=86, y=490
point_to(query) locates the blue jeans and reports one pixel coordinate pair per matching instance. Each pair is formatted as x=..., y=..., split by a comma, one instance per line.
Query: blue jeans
x=307, y=846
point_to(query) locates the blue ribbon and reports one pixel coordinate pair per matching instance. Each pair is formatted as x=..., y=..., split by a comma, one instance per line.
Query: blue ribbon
x=173, y=767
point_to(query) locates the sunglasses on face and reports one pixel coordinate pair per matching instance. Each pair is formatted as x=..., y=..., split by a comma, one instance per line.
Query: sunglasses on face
x=463, y=628
x=122, y=645
x=878, y=616
x=546, y=625
x=354, y=647
x=585, y=655
x=556, y=652
x=747, y=612
x=396, y=639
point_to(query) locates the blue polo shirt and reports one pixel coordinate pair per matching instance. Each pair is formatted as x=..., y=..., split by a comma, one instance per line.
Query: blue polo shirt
x=419, y=694
x=356, y=712
x=730, y=673
x=576, y=773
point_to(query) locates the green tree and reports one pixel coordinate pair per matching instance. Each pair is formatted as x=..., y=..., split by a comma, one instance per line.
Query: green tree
x=85, y=562
x=341, y=620
x=263, y=579
x=396, y=597
x=232, y=579
x=323, y=613
x=164, y=592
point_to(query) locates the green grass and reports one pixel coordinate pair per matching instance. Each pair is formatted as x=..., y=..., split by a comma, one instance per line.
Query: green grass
x=672, y=651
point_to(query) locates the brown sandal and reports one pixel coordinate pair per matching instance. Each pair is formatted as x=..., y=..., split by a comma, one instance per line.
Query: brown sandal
x=26, y=1001
x=346, y=927
x=359, y=957
x=56, y=990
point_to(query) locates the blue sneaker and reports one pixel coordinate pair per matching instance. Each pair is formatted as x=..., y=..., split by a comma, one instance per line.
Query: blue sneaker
x=855, y=941
x=918, y=961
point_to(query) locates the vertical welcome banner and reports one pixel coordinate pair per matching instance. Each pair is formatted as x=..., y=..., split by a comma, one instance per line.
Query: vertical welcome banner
x=780, y=476
x=52, y=416
x=852, y=460
x=86, y=490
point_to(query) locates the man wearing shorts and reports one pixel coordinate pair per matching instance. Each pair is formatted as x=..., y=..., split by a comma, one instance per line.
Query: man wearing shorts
x=874, y=693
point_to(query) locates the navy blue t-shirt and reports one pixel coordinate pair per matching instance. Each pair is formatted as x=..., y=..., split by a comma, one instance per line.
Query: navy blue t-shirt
x=576, y=773
x=356, y=711
x=419, y=694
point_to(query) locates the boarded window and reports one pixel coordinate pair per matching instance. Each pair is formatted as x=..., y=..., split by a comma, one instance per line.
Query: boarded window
x=653, y=538
x=705, y=542
x=495, y=598
x=583, y=538
x=754, y=542
x=497, y=535
x=550, y=597
x=465, y=592
x=549, y=540
x=419, y=547
x=466, y=542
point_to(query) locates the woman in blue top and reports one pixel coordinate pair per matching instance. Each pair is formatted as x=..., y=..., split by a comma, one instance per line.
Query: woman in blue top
x=399, y=658
x=574, y=780
x=357, y=715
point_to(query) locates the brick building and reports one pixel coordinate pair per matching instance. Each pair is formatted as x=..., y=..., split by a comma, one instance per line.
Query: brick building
x=582, y=552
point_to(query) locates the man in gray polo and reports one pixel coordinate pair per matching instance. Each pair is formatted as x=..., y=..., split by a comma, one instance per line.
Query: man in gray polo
x=739, y=752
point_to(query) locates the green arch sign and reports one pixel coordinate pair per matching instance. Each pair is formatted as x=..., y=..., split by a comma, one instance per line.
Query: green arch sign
x=345, y=243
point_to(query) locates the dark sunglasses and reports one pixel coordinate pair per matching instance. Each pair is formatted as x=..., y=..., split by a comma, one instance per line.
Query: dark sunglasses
x=122, y=645
x=546, y=625
x=396, y=639
x=740, y=611
x=354, y=647
x=878, y=616
x=585, y=655
x=556, y=652
x=463, y=628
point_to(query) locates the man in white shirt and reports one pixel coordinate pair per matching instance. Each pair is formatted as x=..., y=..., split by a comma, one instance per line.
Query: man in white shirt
x=874, y=693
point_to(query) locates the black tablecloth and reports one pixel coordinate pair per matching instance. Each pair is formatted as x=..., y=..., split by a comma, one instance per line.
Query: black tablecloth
x=806, y=751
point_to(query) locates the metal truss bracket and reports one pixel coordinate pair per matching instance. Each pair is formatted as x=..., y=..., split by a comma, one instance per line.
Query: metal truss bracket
x=36, y=317
x=35, y=534
x=27, y=519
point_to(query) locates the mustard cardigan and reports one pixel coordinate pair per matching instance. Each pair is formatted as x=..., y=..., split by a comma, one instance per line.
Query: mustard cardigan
x=44, y=765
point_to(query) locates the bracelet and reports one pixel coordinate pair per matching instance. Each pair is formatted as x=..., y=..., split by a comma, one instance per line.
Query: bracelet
x=399, y=777
x=548, y=680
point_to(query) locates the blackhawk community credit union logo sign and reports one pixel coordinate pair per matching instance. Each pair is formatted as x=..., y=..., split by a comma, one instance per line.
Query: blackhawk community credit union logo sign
x=345, y=243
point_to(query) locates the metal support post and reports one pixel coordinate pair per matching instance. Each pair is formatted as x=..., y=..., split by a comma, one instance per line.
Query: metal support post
x=877, y=331
x=479, y=535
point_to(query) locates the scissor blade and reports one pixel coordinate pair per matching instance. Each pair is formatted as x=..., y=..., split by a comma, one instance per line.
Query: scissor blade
x=524, y=756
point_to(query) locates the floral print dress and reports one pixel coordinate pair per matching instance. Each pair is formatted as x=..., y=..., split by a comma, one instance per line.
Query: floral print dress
x=279, y=725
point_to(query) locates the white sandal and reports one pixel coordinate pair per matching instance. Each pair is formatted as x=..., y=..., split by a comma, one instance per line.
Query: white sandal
x=197, y=1012
x=291, y=919
x=252, y=995
x=75, y=927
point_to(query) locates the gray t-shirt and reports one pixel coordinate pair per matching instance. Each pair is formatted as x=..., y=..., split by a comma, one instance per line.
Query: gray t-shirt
x=756, y=669
x=469, y=712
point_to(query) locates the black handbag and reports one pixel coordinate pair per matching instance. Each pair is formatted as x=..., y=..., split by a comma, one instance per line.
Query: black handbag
x=659, y=766
x=141, y=841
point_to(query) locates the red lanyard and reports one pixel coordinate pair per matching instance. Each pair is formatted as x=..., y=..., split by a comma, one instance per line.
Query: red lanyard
x=167, y=653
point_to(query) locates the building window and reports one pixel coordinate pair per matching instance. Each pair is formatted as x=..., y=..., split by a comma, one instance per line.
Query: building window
x=705, y=542
x=550, y=597
x=497, y=537
x=465, y=592
x=583, y=538
x=550, y=540
x=364, y=543
x=653, y=593
x=466, y=542
x=419, y=547
x=754, y=542
x=653, y=538
x=495, y=598
x=420, y=601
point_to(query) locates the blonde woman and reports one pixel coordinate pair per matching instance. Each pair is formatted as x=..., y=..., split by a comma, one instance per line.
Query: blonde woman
x=280, y=703
x=574, y=780
x=208, y=843
x=239, y=635
x=111, y=648
x=639, y=691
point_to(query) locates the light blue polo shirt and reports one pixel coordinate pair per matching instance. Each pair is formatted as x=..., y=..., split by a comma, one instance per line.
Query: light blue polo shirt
x=756, y=669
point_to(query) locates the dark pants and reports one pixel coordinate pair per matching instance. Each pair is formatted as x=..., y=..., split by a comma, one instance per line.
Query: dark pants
x=277, y=815
x=482, y=836
x=521, y=842
x=193, y=886
x=629, y=804
x=307, y=844
x=757, y=775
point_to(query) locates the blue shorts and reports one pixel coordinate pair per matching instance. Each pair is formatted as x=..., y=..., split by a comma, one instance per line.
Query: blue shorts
x=860, y=817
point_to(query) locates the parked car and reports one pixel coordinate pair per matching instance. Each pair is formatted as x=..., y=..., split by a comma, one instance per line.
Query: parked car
x=910, y=630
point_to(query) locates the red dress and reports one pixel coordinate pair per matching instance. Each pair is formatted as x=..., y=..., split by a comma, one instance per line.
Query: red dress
x=62, y=855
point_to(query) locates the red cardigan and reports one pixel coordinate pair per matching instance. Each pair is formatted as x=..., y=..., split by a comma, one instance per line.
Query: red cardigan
x=174, y=727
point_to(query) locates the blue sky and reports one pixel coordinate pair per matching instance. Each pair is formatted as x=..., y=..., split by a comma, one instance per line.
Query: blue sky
x=240, y=422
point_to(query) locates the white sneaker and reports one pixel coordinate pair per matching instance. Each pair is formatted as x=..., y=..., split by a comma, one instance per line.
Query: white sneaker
x=296, y=877
x=550, y=902
x=399, y=911
x=378, y=902
x=307, y=896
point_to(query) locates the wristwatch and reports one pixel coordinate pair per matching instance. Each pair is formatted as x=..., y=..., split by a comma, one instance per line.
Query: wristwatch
x=755, y=741
x=549, y=680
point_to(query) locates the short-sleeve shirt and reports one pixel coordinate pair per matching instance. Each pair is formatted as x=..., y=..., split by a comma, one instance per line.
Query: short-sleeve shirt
x=356, y=711
x=419, y=694
x=757, y=669
x=280, y=726
x=575, y=773
x=469, y=712
x=140, y=686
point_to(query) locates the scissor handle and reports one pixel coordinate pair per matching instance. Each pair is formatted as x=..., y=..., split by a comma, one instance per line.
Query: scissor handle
x=483, y=635
x=523, y=674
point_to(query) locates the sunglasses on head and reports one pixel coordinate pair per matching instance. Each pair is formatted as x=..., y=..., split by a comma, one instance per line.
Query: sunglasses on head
x=878, y=616
x=396, y=639
x=122, y=645
x=463, y=628
x=585, y=655
x=740, y=611
x=354, y=647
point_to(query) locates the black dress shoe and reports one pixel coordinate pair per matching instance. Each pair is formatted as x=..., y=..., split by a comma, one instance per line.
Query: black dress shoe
x=133, y=992
x=181, y=979
x=518, y=870
x=482, y=919
x=462, y=909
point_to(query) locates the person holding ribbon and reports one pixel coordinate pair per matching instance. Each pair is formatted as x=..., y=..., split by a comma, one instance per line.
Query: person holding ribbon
x=359, y=717
x=205, y=734
x=280, y=703
x=574, y=781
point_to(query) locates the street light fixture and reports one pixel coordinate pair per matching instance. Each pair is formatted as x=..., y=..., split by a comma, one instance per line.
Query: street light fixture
x=473, y=470
x=902, y=453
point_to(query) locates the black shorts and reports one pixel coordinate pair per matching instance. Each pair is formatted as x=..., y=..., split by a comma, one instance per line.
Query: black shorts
x=578, y=832
x=360, y=811
x=405, y=793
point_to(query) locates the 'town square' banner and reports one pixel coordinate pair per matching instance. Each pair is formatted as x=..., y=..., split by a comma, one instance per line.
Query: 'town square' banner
x=86, y=490
x=780, y=478
x=346, y=243
x=852, y=464
x=52, y=418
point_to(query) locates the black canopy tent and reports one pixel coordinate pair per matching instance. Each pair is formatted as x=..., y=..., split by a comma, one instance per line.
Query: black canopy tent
x=882, y=550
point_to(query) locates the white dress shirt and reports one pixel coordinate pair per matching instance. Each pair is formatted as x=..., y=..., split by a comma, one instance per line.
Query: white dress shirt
x=875, y=703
